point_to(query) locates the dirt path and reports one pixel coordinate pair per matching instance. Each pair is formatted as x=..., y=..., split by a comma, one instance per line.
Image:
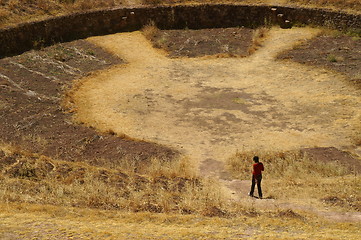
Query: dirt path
x=210, y=107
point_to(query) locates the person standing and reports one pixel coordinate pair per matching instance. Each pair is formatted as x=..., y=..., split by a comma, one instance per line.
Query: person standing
x=257, y=176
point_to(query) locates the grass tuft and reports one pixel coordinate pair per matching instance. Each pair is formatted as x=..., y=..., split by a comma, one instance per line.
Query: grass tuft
x=259, y=36
x=150, y=30
x=333, y=58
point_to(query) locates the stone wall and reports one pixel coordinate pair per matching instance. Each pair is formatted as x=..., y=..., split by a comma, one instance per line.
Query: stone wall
x=66, y=28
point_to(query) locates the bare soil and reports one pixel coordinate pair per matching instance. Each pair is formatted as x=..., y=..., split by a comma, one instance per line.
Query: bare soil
x=32, y=116
x=197, y=43
x=338, y=53
x=332, y=154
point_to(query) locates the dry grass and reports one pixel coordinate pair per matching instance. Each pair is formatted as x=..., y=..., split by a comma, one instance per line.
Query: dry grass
x=292, y=176
x=150, y=31
x=292, y=164
x=259, y=36
x=92, y=4
x=4, y=105
x=357, y=128
x=161, y=41
x=166, y=186
x=17, y=11
x=350, y=4
x=29, y=221
x=4, y=14
x=152, y=2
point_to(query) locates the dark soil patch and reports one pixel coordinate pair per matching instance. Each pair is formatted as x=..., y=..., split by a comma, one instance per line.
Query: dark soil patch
x=226, y=42
x=289, y=214
x=212, y=211
x=352, y=201
x=331, y=154
x=338, y=53
x=32, y=86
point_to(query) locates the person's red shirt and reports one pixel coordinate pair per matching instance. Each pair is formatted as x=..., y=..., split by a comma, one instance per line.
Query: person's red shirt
x=257, y=168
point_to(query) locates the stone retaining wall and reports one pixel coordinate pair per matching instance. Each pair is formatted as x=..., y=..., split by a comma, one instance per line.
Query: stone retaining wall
x=71, y=27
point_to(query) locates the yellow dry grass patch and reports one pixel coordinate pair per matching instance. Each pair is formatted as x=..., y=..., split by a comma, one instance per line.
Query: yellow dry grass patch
x=291, y=164
x=48, y=222
x=160, y=187
x=294, y=178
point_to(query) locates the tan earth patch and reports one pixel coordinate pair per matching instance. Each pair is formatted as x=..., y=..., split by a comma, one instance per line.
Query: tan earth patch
x=212, y=107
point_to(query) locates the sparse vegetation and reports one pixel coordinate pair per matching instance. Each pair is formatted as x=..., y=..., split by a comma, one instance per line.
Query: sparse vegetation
x=293, y=175
x=348, y=4
x=153, y=2
x=292, y=164
x=17, y=11
x=166, y=187
x=117, y=203
x=332, y=58
x=357, y=124
x=150, y=31
x=258, y=37
x=321, y=52
x=219, y=43
x=24, y=221
x=127, y=199
x=4, y=14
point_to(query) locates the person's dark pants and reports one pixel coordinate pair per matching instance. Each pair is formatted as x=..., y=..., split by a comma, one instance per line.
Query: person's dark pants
x=256, y=180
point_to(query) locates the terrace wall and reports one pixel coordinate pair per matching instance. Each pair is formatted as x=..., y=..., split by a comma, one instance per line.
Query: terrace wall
x=27, y=36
